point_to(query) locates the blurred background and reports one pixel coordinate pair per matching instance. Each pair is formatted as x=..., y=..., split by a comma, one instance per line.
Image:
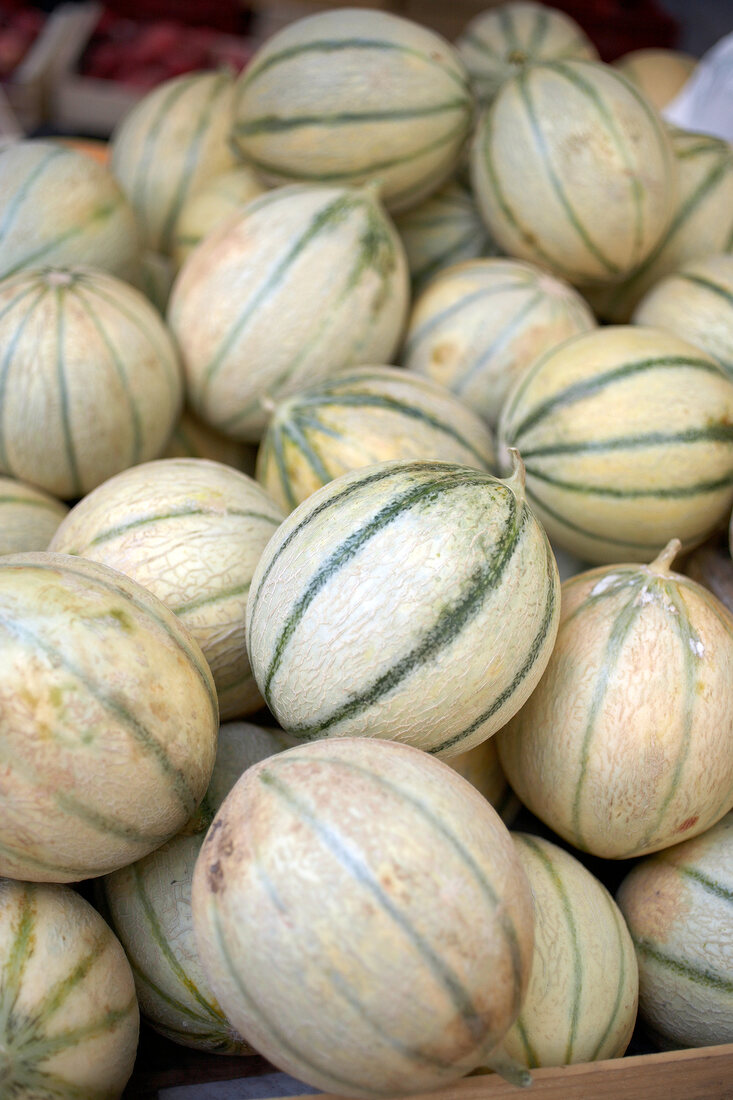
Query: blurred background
x=77, y=68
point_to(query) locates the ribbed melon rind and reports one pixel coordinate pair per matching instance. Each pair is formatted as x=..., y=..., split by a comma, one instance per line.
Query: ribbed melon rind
x=499, y=42
x=169, y=145
x=679, y=909
x=69, y=1025
x=150, y=907
x=583, y=989
x=480, y=324
x=360, y=912
x=109, y=719
x=392, y=582
x=191, y=532
x=61, y=207
x=623, y=747
x=305, y=282
x=90, y=381
x=352, y=96
x=363, y=416
x=562, y=140
x=626, y=437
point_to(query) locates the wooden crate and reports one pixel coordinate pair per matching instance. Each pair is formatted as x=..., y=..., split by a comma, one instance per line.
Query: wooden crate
x=165, y=1071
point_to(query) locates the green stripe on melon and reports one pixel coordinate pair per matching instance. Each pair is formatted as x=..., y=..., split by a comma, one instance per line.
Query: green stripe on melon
x=498, y=43
x=701, y=222
x=169, y=146
x=480, y=324
x=444, y=587
x=62, y=207
x=616, y=779
x=352, y=96
x=679, y=907
x=363, y=416
x=695, y=303
x=191, y=532
x=322, y=285
x=306, y=797
x=538, y=187
x=68, y=1017
x=101, y=675
x=627, y=443
x=582, y=997
x=89, y=379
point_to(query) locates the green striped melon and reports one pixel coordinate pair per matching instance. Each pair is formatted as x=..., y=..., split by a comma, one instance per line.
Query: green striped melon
x=573, y=169
x=90, y=381
x=109, y=721
x=624, y=746
x=171, y=144
x=658, y=73
x=28, y=517
x=583, y=986
x=305, y=282
x=192, y=438
x=191, y=532
x=696, y=303
x=701, y=223
x=444, y=229
x=58, y=206
x=500, y=42
x=679, y=909
x=414, y=601
x=358, y=418
x=481, y=767
x=363, y=917
x=627, y=436
x=351, y=96
x=68, y=1013
x=211, y=205
x=480, y=324
x=149, y=904
x=711, y=565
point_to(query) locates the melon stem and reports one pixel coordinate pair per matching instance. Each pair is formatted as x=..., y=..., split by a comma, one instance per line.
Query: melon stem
x=663, y=562
x=513, y=1072
x=517, y=477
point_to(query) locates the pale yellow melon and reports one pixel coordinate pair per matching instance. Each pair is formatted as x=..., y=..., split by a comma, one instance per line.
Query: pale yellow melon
x=501, y=41
x=191, y=532
x=304, y=282
x=660, y=74
x=572, y=169
x=28, y=517
x=478, y=326
x=583, y=987
x=171, y=144
x=352, y=96
x=362, y=416
x=624, y=746
x=696, y=303
x=109, y=719
x=679, y=909
x=627, y=437
x=91, y=381
x=149, y=905
x=701, y=222
x=441, y=231
x=363, y=918
x=58, y=206
x=69, y=1025
x=210, y=205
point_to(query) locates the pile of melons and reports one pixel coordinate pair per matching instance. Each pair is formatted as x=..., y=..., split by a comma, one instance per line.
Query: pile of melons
x=302, y=400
